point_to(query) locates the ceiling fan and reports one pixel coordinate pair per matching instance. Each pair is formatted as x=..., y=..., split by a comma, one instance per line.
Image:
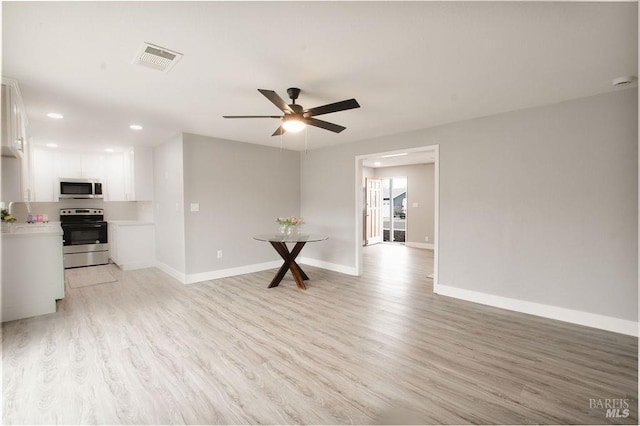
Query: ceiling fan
x=295, y=117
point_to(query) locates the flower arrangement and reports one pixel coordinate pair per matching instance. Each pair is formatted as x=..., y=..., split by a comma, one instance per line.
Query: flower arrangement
x=289, y=225
x=6, y=217
x=289, y=221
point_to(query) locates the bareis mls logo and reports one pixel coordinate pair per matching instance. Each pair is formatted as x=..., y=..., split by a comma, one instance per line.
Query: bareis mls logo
x=612, y=407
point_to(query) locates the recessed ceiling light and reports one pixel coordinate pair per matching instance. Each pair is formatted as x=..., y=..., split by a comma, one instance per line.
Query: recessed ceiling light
x=135, y=127
x=377, y=163
x=109, y=150
x=394, y=155
x=52, y=145
x=55, y=115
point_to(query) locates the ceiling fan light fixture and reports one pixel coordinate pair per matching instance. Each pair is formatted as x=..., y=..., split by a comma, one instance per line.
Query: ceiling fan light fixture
x=293, y=124
x=296, y=118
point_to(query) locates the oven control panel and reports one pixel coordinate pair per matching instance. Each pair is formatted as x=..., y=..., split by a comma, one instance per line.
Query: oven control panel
x=76, y=212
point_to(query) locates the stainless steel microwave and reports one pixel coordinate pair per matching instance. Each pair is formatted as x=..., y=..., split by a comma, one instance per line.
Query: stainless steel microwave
x=80, y=188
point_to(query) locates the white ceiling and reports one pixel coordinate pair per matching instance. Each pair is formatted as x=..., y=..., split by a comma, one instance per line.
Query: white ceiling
x=410, y=65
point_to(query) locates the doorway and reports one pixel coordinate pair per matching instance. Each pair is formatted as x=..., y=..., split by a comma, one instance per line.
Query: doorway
x=396, y=211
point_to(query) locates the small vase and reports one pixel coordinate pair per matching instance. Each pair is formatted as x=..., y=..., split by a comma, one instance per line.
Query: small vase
x=285, y=230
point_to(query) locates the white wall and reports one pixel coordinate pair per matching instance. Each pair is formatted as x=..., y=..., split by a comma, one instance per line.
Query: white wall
x=420, y=190
x=169, y=207
x=240, y=188
x=537, y=205
x=10, y=168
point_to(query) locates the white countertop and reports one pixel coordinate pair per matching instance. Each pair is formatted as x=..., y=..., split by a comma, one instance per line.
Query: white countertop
x=22, y=229
x=130, y=222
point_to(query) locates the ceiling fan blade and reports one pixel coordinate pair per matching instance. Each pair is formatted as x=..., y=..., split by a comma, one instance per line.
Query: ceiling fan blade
x=324, y=125
x=251, y=116
x=279, y=131
x=334, y=107
x=275, y=99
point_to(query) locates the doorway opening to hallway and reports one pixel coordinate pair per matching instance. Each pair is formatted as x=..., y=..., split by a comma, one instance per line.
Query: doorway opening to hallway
x=397, y=200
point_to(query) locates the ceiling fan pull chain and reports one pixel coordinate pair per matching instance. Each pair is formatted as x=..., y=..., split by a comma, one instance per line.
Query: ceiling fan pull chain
x=306, y=131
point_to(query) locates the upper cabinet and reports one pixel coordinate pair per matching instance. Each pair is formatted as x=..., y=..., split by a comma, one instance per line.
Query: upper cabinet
x=16, y=152
x=14, y=120
x=126, y=176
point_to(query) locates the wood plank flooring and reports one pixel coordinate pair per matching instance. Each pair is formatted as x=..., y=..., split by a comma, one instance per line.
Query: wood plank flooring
x=380, y=348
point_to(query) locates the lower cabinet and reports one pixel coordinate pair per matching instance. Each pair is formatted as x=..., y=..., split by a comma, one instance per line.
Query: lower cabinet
x=32, y=274
x=132, y=244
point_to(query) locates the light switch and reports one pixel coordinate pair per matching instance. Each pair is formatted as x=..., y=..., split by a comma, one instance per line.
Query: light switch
x=195, y=207
x=415, y=204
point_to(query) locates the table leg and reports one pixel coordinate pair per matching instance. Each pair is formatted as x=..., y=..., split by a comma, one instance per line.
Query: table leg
x=289, y=263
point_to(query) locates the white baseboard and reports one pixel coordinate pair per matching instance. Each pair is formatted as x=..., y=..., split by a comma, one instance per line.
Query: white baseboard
x=138, y=265
x=248, y=269
x=172, y=272
x=343, y=269
x=547, y=311
x=427, y=246
x=230, y=272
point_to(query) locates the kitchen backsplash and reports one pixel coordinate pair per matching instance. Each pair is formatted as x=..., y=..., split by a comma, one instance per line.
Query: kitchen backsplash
x=113, y=210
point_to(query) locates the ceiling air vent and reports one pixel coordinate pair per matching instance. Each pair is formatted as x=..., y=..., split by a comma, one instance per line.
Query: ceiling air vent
x=156, y=57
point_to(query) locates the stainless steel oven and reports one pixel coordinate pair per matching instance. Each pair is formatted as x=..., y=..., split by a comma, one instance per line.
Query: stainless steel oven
x=84, y=237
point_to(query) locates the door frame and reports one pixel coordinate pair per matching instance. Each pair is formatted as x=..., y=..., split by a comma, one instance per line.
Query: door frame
x=359, y=198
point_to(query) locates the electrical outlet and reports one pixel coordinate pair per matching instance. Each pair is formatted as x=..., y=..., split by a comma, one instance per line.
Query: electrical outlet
x=426, y=238
x=195, y=207
x=219, y=254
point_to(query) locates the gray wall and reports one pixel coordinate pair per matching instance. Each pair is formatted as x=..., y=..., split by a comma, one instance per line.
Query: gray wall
x=539, y=205
x=169, y=205
x=420, y=190
x=241, y=189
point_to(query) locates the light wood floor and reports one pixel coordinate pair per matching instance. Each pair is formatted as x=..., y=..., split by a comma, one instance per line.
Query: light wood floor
x=380, y=348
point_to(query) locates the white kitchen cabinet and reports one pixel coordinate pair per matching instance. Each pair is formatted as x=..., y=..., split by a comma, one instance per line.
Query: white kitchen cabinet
x=126, y=176
x=78, y=165
x=49, y=165
x=14, y=119
x=26, y=172
x=68, y=164
x=16, y=177
x=138, y=174
x=32, y=270
x=132, y=244
x=94, y=166
x=114, y=182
